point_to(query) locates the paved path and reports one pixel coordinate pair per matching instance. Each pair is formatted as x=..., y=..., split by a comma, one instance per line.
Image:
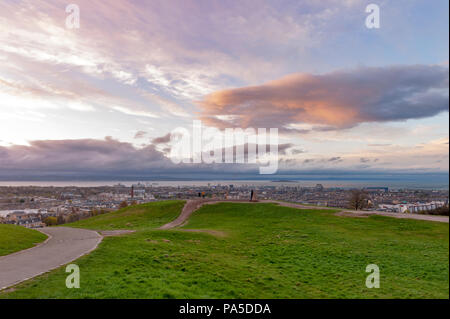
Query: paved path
x=193, y=205
x=188, y=208
x=63, y=246
x=366, y=213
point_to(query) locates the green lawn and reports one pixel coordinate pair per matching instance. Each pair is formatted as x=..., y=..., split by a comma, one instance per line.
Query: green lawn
x=14, y=238
x=140, y=217
x=259, y=251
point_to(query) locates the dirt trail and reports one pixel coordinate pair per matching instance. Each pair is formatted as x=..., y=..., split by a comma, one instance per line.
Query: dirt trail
x=193, y=205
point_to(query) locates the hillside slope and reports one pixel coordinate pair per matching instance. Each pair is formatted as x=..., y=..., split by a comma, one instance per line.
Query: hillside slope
x=144, y=216
x=14, y=238
x=236, y=250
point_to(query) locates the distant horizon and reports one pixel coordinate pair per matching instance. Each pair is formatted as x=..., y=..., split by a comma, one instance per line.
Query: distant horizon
x=413, y=181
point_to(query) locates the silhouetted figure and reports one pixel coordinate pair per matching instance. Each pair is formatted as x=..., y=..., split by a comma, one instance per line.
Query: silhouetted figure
x=253, y=196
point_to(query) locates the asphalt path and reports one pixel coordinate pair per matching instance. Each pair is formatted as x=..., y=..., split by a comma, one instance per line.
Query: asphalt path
x=62, y=246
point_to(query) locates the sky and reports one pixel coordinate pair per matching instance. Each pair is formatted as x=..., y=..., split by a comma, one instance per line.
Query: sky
x=102, y=98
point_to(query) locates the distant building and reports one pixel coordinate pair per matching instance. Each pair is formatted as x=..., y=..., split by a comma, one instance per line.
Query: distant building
x=318, y=187
x=412, y=208
x=377, y=189
x=16, y=215
x=138, y=191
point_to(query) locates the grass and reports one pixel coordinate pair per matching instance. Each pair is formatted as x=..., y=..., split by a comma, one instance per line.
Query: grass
x=137, y=217
x=14, y=238
x=265, y=251
x=311, y=205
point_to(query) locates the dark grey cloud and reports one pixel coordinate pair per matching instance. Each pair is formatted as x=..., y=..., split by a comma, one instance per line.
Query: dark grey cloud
x=83, y=154
x=282, y=148
x=368, y=160
x=110, y=158
x=296, y=151
x=161, y=139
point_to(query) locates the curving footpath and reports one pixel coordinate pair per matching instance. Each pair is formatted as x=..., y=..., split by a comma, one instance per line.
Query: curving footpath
x=63, y=245
x=192, y=205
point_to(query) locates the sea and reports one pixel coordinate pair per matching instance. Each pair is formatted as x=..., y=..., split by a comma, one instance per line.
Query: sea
x=390, y=182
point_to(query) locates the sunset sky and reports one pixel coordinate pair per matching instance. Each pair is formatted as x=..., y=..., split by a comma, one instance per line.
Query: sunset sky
x=104, y=96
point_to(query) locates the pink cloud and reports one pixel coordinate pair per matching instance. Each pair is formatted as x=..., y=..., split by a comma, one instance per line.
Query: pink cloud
x=334, y=100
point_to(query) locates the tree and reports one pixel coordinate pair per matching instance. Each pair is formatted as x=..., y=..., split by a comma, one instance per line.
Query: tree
x=60, y=219
x=73, y=217
x=94, y=212
x=123, y=204
x=50, y=221
x=443, y=211
x=358, y=199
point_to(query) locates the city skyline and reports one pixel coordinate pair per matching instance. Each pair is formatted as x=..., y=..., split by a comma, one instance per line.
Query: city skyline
x=102, y=99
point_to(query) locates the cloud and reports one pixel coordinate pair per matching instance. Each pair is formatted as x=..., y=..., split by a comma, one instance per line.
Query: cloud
x=140, y=134
x=161, y=139
x=80, y=155
x=336, y=100
x=174, y=51
x=367, y=160
x=335, y=159
x=297, y=151
x=135, y=111
x=379, y=145
x=93, y=157
x=282, y=150
x=109, y=157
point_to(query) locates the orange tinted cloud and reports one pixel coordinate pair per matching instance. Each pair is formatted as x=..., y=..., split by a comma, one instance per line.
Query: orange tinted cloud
x=334, y=100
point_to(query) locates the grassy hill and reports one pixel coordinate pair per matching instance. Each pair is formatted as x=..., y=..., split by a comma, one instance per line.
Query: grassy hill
x=142, y=217
x=14, y=238
x=238, y=250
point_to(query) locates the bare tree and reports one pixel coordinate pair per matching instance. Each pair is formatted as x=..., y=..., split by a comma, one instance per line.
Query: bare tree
x=358, y=199
x=123, y=204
